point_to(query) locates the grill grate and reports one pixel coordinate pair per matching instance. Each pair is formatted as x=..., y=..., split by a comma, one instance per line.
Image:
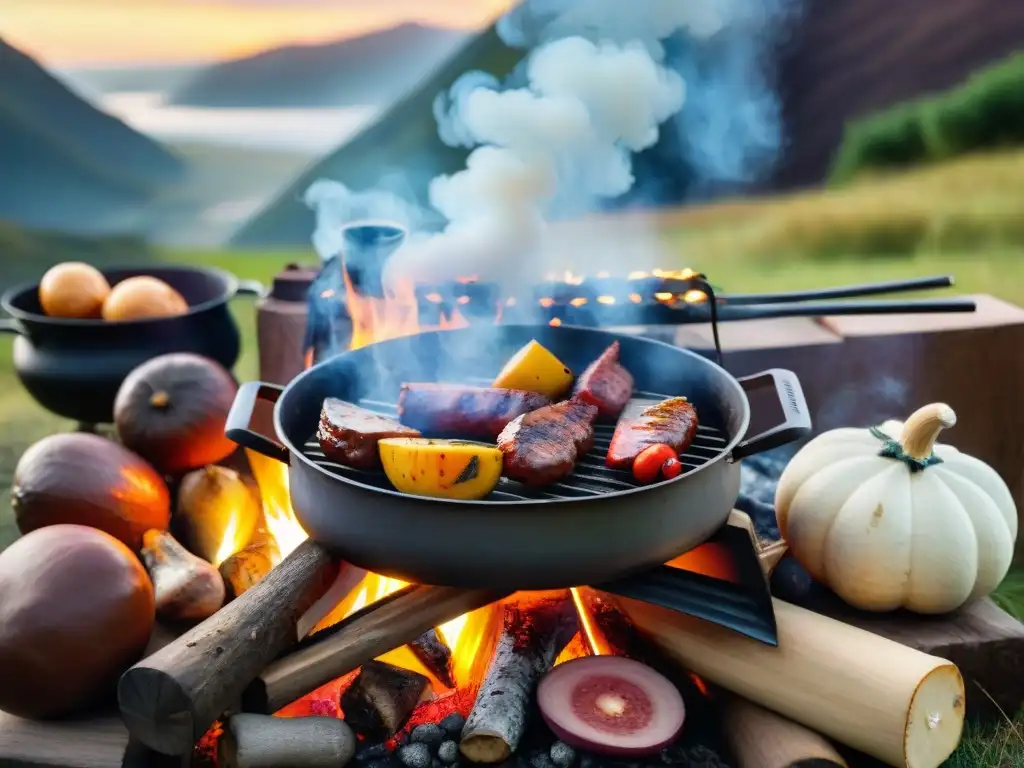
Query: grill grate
x=590, y=478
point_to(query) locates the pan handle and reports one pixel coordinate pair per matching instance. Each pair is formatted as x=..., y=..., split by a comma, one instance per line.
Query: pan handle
x=236, y=428
x=797, y=423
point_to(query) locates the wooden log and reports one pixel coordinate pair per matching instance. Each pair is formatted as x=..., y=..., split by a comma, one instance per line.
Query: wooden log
x=889, y=701
x=605, y=629
x=260, y=741
x=533, y=633
x=434, y=654
x=169, y=700
x=381, y=699
x=335, y=651
x=759, y=738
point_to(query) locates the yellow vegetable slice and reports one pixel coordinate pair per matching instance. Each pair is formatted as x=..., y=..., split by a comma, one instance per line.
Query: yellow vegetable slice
x=446, y=469
x=535, y=369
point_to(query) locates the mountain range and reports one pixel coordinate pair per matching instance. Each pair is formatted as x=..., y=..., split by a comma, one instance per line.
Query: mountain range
x=369, y=70
x=841, y=61
x=66, y=165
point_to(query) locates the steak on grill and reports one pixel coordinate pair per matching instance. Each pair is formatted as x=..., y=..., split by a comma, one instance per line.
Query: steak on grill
x=606, y=384
x=463, y=411
x=543, y=446
x=348, y=434
x=672, y=422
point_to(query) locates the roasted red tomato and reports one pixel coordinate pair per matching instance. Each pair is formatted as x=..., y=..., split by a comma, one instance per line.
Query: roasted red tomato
x=671, y=468
x=647, y=465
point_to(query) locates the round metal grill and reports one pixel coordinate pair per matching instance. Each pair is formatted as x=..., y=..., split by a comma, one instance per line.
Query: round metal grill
x=590, y=478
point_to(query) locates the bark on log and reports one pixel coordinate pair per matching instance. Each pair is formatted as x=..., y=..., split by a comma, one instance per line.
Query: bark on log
x=533, y=634
x=377, y=629
x=169, y=700
x=260, y=741
x=381, y=699
x=889, y=701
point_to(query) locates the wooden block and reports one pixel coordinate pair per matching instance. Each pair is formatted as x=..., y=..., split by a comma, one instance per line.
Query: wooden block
x=985, y=643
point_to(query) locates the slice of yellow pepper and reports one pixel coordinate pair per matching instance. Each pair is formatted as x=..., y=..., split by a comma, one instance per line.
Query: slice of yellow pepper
x=535, y=369
x=447, y=469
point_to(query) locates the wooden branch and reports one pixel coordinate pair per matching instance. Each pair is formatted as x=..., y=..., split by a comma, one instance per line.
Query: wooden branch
x=887, y=700
x=533, y=634
x=759, y=738
x=434, y=654
x=259, y=741
x=344, y=647
x=171, y=698
x=381, y=699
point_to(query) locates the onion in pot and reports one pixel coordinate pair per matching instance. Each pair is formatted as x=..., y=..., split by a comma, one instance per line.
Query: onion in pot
x=611, y=705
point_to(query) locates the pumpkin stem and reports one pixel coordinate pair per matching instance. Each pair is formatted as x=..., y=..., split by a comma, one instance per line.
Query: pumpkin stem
x=922, y=429
x=159, y=399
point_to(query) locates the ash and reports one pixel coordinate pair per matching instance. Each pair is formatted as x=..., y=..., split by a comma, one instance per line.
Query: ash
x=437, y=745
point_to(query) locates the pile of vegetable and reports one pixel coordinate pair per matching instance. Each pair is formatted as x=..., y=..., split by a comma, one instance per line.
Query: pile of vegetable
x=97, y=562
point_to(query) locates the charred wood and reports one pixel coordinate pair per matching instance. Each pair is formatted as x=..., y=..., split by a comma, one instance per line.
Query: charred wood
x=381, y=699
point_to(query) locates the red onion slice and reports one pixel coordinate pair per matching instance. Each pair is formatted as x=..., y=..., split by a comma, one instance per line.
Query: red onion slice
x=611, y=705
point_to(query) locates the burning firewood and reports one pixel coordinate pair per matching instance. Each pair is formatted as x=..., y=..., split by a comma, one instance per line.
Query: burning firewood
x=261, y=741
x=381, y=699
x=434, y=653
x=187, y=588
x=532, y=636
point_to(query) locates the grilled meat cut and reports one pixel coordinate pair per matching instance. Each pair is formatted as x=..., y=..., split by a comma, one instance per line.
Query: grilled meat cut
x=671, y=422
x=462, y=411
x=348, y=434
x=543, y=446
x=606, y=384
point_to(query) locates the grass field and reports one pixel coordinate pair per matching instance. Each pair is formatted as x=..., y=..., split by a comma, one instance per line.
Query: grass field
x=915, y=224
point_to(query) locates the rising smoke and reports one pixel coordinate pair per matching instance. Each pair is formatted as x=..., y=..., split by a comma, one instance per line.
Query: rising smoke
x=603, y=81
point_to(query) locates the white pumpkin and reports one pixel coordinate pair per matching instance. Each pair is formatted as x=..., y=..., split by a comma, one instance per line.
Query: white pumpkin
x=889, y=519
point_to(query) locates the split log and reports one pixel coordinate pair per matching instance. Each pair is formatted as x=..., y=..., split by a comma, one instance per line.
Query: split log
x=889, y=701
x=759, y=738
x=185, y=587
x=327, y=655
x=611, y=634
x=170, y=699
x=381, y=699
x=533, y=633
x=434, y=654
x=260, y=741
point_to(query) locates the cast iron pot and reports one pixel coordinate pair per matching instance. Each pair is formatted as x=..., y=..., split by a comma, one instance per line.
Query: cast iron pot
x=521, y=543
x=75, y=367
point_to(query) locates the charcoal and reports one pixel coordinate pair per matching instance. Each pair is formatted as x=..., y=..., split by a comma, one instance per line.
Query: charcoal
x=674, y=754
x=374, y=751
x=382, y=762
x=452, y=724
x=448, y=751
x=562, y=754
x=415, y=755
x=542, y=760
x=428, y=733
x=436, y=763
x=702, y=757
x=588, y=761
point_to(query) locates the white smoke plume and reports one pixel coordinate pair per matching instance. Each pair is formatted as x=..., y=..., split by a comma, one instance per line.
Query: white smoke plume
x=595, y=89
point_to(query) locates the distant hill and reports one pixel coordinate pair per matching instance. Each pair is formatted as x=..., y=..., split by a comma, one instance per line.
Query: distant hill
x=849, y=59
x=66, y=165
x=95, y=82
x=843, y=60
x=368, y=70
x=402, y=145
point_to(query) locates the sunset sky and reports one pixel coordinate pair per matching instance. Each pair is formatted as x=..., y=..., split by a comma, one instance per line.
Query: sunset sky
x=137, y=31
